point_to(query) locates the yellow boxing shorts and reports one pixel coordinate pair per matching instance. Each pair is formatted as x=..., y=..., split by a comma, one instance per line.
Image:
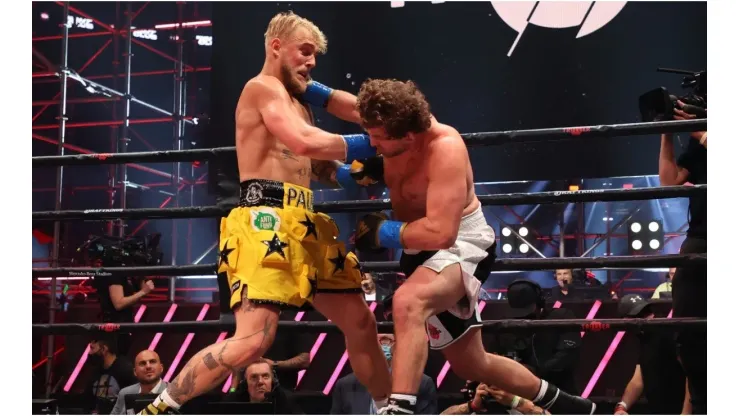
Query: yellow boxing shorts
x=281, y=252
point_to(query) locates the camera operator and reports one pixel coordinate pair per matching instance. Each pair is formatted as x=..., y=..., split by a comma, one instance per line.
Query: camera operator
x=483, y=399
x=690, y=283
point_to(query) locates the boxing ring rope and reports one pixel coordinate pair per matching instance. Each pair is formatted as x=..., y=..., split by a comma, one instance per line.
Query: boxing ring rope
x=552, y=197
x=506, y=264
x=495, y=138
x=504, y=325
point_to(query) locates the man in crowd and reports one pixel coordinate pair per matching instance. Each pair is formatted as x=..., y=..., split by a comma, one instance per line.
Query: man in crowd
x=564, y=277
x=658, y=374
x=550, y=354
x=262, y=386
x=148, y=371
x=286, y=356
x=690, y=283
x=350, y=397
x=667, y=286
x=113, y=373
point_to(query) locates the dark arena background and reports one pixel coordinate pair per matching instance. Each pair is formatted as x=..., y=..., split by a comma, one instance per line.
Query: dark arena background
x=166, y=76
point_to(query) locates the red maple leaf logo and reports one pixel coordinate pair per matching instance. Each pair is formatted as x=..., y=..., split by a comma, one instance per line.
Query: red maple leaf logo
x=433, y=331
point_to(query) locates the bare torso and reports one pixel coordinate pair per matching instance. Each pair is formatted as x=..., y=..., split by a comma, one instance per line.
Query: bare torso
x=407, y=179
x=260, y=154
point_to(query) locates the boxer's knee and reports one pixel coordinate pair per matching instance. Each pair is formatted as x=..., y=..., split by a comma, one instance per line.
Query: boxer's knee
x=407, y=306
x=362, y=323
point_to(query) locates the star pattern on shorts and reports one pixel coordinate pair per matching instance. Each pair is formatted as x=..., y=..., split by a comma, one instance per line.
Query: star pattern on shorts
x=314, y=284
x=310, y=227
x=338, y=261
x=224, y=255
x=275, y=246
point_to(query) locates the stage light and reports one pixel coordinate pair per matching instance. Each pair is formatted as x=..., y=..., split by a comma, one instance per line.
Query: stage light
x=646, y=237
x=44, y=16
x=511, y=243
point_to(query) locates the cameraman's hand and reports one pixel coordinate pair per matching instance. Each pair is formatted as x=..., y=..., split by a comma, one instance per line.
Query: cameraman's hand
x=683, y=115
x=480, y=392
x=147, y=286
x=502, y=397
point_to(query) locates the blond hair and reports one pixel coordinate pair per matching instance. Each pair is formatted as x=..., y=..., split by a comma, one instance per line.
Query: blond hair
x=284, y=24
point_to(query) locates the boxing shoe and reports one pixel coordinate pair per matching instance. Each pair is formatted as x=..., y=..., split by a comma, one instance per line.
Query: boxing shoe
x=161, y=409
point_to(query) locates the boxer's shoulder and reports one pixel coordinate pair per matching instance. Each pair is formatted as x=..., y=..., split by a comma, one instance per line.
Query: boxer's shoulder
x=265, y=85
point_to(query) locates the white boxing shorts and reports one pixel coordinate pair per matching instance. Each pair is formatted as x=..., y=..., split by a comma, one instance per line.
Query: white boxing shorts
x=475, y=251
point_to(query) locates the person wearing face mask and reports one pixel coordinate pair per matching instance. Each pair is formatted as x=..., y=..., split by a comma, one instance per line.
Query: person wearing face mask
x=549, y=354
x=658, y=373
x=113, y=372
x=352, y=398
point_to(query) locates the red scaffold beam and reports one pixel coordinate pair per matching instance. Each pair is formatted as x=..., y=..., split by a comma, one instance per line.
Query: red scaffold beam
x=87, y=152
x=78, y=101
x=107, y=123
x=109, y=76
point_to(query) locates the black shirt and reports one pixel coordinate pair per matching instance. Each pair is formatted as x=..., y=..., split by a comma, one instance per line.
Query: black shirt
x=694, y=160
x=662, y=375
x=110, y=314
x=549, y=354
x=107, y=382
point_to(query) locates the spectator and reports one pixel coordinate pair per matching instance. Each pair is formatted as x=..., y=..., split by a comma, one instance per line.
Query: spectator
x=667, y=286
x=262, y=385
x=549, y=354
x=148, y=371
x=689, y=291
x=564, y=278
x=491, y=400
x=286, y=356
x=658, y=373
x=112, y=373
x=352, y=398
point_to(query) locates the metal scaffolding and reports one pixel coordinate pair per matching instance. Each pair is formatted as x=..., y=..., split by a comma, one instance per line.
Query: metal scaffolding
x=121, y=124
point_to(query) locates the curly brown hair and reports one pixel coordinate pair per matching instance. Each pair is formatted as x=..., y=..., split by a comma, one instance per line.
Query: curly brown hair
x=397, y=106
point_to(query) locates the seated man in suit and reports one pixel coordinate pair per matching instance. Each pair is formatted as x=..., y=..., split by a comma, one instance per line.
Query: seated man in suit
x=148, y=371
x=352, y=398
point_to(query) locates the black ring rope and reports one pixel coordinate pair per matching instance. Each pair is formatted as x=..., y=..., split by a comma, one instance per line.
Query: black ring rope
x=588, y=195
x=322, y=326
x=471, y=139
x=669, y=260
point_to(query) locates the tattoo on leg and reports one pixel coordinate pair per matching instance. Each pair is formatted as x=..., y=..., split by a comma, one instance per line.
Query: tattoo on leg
x=209, y=361
x=184, y=385
x=246, y=305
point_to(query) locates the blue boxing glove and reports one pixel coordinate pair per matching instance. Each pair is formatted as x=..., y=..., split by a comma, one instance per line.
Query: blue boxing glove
x=358, y=147
x=317, y=94
x=375, y=231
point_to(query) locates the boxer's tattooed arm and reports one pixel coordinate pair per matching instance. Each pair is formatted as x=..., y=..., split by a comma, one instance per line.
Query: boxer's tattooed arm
x=459, y=409
x=325, y=171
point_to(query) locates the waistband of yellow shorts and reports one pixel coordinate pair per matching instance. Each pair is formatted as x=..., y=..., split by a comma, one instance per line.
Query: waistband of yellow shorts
x=275, y=194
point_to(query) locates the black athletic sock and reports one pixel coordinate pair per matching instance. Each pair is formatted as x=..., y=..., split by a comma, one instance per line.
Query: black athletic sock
x=559, y=402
